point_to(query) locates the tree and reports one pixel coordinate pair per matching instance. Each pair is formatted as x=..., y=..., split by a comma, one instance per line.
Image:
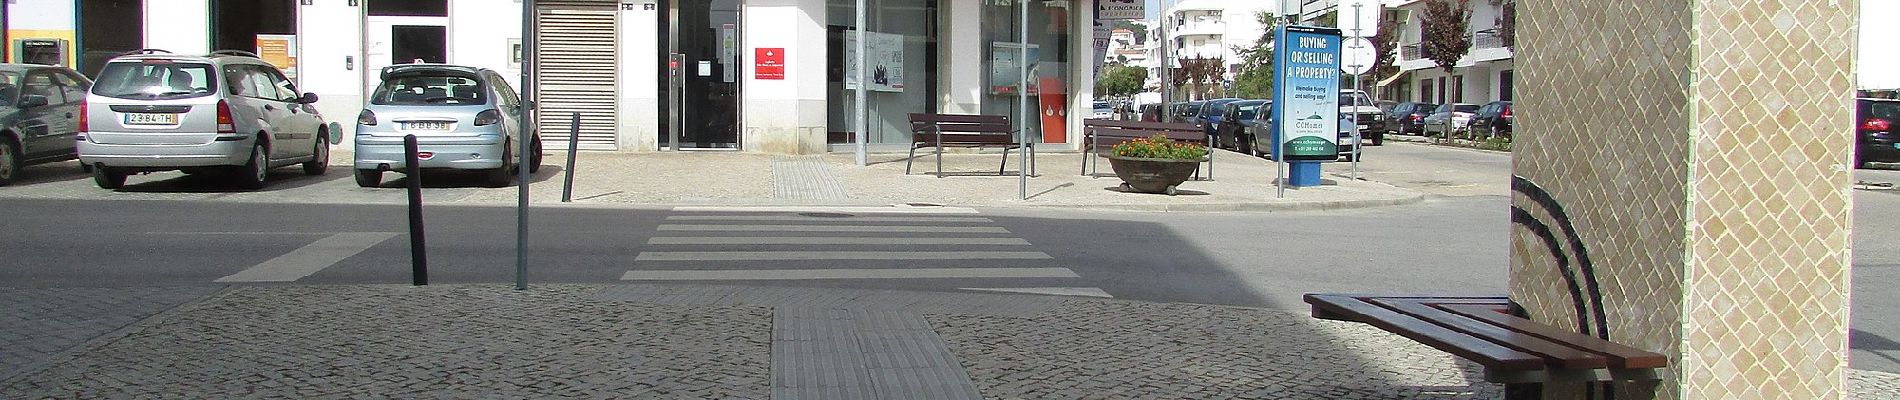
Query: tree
x=1120, y=81
x=1507, y=21
x=1202, y=77
x=1384, y=61
x=1444, y=38
x=1255, y=80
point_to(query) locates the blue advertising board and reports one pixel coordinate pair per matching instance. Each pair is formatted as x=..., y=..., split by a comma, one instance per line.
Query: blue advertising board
x=1306, y=93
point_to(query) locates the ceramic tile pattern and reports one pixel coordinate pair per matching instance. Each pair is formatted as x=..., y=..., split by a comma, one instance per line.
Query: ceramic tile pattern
x=1700, y=149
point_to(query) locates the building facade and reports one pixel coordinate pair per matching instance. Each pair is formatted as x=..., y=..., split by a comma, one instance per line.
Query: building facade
x=1205, y=29
x=645, y=75
x=1486, y=73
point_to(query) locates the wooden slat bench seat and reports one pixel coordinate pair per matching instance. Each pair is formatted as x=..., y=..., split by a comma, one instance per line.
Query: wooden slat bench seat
x=964, y=130
x=1100, y=136
x=1482, y=329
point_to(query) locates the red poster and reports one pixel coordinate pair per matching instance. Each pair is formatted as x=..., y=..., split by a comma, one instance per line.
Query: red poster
x=770, y=63
x=1055, y=112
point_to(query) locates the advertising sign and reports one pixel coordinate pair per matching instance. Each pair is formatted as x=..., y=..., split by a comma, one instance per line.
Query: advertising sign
x=1306, y=93
x=1006, y=68
x=1121, y=9
x=884, y=57
x=279, y=51
x=769, y=63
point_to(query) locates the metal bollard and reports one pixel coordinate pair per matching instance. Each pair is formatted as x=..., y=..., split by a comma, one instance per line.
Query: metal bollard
x=573, y=146
x=418, y=251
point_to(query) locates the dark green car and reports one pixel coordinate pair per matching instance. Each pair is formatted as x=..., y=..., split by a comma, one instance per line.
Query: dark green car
x=39, y=115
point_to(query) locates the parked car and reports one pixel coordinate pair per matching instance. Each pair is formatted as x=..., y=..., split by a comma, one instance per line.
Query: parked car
x=1209, y=116
x=1259, y=131
x=1876, y=139
x=1408, y=118
x=464, y=118
x=1185, y=111
x=1448, y=119
x=1234, y=119
x=1371, y=119
x=1102, y=111
x=1150, y=112
x=39, y=107
x=1492, y=120
x=156, y=111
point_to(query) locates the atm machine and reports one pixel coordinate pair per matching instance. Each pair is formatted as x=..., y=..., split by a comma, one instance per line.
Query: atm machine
x=42, y=51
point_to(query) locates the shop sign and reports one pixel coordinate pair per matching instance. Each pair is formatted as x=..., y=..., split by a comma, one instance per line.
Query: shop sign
x=1306, y=93
x=769, y=63
x=1121, y=9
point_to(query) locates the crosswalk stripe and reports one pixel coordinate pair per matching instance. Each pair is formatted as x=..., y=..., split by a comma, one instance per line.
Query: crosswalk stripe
x=310, y=258
x=770, y=240
x=807, y=219
x=877, y=273
x=837, y=255
x=825, y=209
x=834, y=228
x=1059, y=291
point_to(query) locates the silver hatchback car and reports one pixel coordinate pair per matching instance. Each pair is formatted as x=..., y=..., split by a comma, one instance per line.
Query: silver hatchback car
x=156, y=111
x=464, y=118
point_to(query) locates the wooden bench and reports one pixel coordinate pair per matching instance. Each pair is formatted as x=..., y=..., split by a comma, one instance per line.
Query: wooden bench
x=1100, y=136
x=964, y=130
x=1512, y=349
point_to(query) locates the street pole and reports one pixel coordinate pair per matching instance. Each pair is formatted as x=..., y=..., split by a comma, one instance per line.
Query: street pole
x=527, y=131
x=1022, y=97
x=858, y=110
x=1167, y=112
x=1356, y=63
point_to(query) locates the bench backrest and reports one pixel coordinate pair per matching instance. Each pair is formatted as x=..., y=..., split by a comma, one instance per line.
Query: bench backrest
x=1107, y=133
x=965, y=123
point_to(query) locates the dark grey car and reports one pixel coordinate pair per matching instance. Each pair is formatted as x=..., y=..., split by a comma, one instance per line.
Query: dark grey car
x=39, y=115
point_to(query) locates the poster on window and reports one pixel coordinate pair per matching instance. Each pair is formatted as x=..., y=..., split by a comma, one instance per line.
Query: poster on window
x=1006, y=62
x=280, y=51
x=884, y=60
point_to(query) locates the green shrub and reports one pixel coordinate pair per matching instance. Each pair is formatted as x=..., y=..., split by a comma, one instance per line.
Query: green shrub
x=1160, y=146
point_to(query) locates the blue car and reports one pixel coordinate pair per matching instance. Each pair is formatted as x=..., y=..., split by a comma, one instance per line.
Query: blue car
x=1210, y=115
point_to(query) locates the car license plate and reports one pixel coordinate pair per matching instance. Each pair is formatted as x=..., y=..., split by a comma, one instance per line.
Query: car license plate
x=1365, y=127
x=151, y=119
x=425, y=126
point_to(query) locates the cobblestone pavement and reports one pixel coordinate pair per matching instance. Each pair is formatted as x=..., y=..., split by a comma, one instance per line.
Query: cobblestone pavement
x=697, y=341
x=41, y=323
x=436, y=342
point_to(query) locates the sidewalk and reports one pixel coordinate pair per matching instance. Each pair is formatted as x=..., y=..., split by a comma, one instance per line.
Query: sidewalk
x=1241, y=183
x=685, y=341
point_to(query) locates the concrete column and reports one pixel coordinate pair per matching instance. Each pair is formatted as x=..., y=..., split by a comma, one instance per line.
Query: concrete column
x=638, y=111
x=179, y=26
x=1700, y=207
x=960, y=45
x=785, y=116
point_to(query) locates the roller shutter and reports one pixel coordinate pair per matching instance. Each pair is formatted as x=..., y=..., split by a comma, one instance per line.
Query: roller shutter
x=578, y=66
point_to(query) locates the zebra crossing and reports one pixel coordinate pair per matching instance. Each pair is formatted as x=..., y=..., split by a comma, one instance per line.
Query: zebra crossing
x=948, y=244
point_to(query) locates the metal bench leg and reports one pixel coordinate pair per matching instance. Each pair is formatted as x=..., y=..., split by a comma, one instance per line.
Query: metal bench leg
x=1085, y=159
x=912, y=158
x=1005, y=164
x=1032, y=159
x=939, y=154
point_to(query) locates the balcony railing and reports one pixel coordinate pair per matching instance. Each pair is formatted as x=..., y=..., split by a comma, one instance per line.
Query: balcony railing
x=1410, y=52
x=1486, y=40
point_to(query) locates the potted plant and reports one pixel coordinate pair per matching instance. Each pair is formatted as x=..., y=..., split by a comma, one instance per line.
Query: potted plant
x=1155, y=164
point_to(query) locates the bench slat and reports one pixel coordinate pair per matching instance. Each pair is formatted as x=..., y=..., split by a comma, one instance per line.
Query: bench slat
x=1619, y=356
x=1557, y=354
x=959, y=118
x=1486, y=353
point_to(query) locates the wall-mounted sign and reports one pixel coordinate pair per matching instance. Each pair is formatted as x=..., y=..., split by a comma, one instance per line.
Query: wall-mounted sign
x=280, y=51
x=1121, y=9
x=1006, y=63
x=1306, y=93
x=768, y=63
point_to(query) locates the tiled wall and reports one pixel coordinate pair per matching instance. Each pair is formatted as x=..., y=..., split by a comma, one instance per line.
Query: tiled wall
x=1698, y=152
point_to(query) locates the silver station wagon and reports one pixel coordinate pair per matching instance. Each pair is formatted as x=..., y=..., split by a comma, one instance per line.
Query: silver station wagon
x=464, y=118
x=156, y=111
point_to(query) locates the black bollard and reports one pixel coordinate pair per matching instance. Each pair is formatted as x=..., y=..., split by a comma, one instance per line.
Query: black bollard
x=573, y=146
x=418, y=251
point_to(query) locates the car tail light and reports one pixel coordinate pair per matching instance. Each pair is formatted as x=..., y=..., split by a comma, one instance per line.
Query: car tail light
x=366, y=118
x=225, y=122
x=488, y=117
x=1875, y=125
x=1416, y=117
x=84, y=125
x=1507, y=112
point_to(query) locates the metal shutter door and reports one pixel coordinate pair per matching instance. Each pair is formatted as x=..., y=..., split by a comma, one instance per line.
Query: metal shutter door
x=577, y=65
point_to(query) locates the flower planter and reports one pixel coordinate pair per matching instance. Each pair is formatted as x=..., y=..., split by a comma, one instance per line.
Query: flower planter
x=1152, y=175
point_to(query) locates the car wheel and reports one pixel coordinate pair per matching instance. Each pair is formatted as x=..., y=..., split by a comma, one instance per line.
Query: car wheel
x=499, y=176
x=1378, y=139
x=534, y=160
x=108, y=177
x=9, y=160
x=369, y=178
x=256, y=171
x=319, y=157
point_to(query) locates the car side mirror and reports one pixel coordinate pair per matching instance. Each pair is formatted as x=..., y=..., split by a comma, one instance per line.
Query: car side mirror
x=308, y=98
x=32, y=100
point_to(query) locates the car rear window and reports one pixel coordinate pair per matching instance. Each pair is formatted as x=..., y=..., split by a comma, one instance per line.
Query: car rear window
x=155, y=80
x=1465, y=108
x=1247, y=111
x=436, y=90
x=1884, y=109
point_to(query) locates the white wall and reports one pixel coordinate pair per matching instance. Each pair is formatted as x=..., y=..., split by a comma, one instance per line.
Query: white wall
x=479, y=31
x=1878, y=66
x=40, y=14
x=785, y=116
x=330, y=60
x=179, y=26
x=960, y=32
x=639, y=80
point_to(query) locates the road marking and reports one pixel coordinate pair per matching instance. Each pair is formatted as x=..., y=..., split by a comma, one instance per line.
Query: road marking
x=878, y=273
x=752, y=240
x=837, y=255
x=844, y=209
x=310, y=258
x=834, y=228
x=807, y=218
x=1057, y=291
x=235, y=233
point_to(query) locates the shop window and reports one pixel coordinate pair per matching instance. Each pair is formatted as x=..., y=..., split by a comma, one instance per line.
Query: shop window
x=1047, y=63
x=901, y=63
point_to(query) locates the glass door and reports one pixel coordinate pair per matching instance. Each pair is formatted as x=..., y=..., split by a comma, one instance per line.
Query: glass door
x=702, y=41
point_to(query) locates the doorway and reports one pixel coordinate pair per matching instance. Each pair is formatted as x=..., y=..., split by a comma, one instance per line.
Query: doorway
x=403, y=32
x=265, y=27
x=108, y=28
x=702, y=75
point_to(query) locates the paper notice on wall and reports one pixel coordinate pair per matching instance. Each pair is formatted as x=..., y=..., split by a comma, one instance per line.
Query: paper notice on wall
x=280, y=51
x=729, y=51
x=884, y=61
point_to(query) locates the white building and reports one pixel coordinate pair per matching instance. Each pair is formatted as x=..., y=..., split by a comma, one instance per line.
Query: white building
x=1483, y=75
x=1206, y=29
x=644, y=75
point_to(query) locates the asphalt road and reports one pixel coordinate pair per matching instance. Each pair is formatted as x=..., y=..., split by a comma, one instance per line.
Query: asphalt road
x=1455, y=242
